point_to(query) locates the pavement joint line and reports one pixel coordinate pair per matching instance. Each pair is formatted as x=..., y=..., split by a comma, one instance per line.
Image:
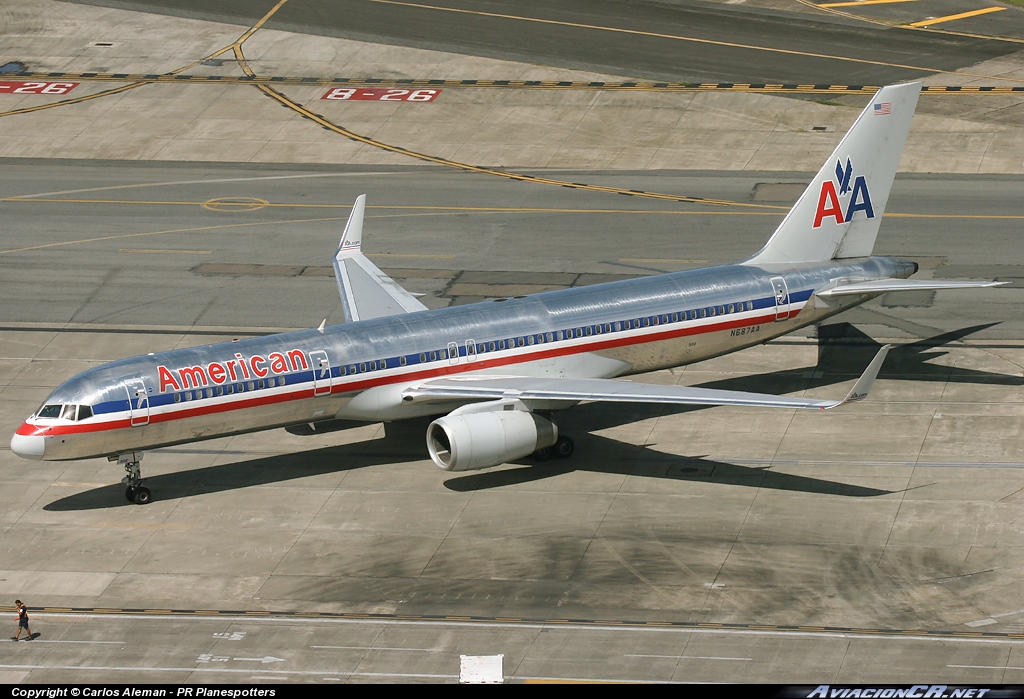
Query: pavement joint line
x=512, y=84
x=680, y=626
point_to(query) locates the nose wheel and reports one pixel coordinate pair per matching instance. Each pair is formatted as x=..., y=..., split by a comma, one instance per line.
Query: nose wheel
x=135, y=491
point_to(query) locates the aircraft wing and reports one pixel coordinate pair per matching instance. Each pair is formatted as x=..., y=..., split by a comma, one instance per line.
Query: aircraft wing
x=366, y=292
x=886, y=285
x=528, y=388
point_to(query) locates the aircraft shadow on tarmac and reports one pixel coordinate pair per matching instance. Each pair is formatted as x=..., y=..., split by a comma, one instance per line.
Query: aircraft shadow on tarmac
x=843, y=351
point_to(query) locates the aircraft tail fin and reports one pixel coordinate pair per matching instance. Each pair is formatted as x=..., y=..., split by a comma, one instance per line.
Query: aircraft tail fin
x=838, y=214
x=366, y=292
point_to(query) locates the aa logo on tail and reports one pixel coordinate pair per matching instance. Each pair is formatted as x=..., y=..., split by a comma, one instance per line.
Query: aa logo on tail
x=829, y=205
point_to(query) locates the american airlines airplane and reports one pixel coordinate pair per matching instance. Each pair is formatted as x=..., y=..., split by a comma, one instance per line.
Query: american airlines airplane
x=495, y=371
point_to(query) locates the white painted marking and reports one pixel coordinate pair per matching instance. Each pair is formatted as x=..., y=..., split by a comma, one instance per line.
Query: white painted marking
x=225, y=179
x=980, y=622
x=414, y=650
x=113, y=643
x=992, y=619
x=684, y=657
x=137, y=668
x=264, y=660
x=1013, y=613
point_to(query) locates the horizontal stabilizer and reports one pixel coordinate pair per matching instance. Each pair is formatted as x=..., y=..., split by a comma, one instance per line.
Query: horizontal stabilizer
x=527, y=389
x=886, y=285
x=366, y=292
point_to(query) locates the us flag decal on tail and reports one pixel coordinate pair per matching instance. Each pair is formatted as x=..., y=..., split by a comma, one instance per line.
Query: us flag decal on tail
x=883, y=108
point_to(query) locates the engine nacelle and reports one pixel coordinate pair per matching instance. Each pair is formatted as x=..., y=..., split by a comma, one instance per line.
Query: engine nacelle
x=485, y=439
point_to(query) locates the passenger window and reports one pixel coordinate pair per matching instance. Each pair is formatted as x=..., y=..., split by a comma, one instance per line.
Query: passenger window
x=220, y=390
x=401, y=360
x=343, y=370
x=262, y=383
x=231, y=389
x=711, y=312
x=280, y=381
x=383, y=364
x=491, y=346
x=252, y=386
x=433, y=356
x=655, y=320
x=188, y=395
x=423, y=357
x=617, y=327
x=732, y=309
x=588, y=330
x=550, y=337
x=647, y=322
x=177, y=397
x=271, y=382
x=501, y=344
x=530, y=340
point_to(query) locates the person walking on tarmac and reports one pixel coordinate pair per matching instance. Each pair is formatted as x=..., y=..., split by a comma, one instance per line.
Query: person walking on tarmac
x=22, y=621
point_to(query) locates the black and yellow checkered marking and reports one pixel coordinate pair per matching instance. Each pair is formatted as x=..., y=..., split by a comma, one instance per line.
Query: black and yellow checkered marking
x=517, y=84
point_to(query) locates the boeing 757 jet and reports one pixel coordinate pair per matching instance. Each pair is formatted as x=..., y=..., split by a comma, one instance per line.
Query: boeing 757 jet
x=496, y=371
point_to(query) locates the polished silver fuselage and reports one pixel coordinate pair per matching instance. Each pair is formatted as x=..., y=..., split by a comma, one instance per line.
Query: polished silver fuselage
x=358, y=370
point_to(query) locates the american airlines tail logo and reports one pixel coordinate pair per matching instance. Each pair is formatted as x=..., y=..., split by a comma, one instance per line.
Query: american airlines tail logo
x=829, y=205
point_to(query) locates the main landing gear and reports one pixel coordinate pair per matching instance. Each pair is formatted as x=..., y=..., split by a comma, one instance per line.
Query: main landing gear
x=562, y=449
x=135, y=491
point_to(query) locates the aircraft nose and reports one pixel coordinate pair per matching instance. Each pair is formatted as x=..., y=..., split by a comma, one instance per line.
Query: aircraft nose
x=28, y=446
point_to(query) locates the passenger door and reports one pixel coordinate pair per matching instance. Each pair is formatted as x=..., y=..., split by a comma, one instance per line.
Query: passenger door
x=138, y=402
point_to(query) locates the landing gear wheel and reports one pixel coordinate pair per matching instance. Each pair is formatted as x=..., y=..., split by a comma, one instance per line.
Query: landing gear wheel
x=564, y=448
x=134, y=490
x=542, y=454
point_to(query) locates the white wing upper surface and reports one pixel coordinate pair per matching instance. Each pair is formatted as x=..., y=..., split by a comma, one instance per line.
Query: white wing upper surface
x=527, y=389
x=366, y=292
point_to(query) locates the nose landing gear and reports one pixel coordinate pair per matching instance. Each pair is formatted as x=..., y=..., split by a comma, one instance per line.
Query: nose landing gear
x=135, y=491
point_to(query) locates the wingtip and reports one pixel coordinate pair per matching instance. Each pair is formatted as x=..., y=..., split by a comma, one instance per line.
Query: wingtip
x=863, y=386
x=352, y=237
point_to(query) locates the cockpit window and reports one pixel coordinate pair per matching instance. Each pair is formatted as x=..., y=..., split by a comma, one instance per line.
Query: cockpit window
x=65, y=412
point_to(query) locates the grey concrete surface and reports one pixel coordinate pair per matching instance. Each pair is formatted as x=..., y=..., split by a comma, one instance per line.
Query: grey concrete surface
x=498, y=128
x=902, y=512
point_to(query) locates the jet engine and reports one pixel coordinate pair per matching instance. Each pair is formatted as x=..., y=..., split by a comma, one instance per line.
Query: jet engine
x=484, y=439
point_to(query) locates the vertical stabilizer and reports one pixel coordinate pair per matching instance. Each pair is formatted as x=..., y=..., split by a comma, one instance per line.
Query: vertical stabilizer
x=839, y=212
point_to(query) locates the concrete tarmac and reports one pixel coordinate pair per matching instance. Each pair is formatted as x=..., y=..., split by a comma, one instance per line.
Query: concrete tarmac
x=897, y=513
x=877, y=543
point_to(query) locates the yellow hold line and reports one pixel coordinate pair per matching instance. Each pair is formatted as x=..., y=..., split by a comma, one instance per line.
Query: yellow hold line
x=863, y=2
x=950, y=18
